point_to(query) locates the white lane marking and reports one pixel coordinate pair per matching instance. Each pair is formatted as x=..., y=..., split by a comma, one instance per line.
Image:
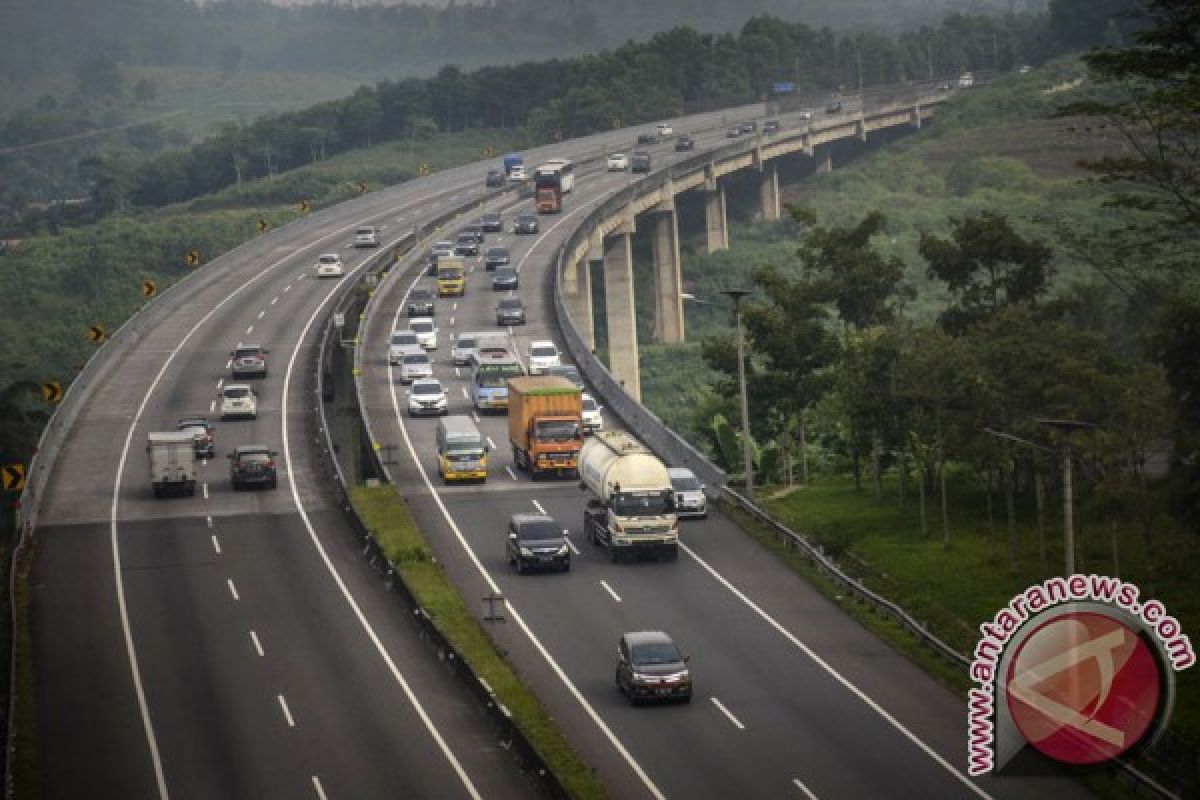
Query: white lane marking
x=609, y=589
x=452, y=322
x=232, y=589
x=491, y=444
x=807, y=792
x=464, y=391
x=274, y=299
x=337, y=578
x=321, y=791
x=736, y=723
x=257, y=644
x=220, y=382
x=538, y=506
x=837, y=676
x=287, y=714
x=475, y=417
x=458, y=374
x=250, y=329
x=212, y=406
x=208, y=521
x=216, y=545
x=454, y=306
x=262, y=314
x=204, y=487
x=571, y=545
x=512, y=610
x=510, y=472
x=287, y=288
x=229, y=364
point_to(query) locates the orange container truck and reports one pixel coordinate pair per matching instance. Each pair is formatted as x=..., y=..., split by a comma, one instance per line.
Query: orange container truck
x=545, y=424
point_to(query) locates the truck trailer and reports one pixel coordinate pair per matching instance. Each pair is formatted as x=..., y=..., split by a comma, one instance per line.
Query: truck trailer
x=632, y=508
x=172, y=457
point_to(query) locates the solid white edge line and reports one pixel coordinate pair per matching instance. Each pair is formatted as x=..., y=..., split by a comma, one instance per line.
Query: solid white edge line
x=736, y=722
x=287, y=714
x=204, y=488
x=337, y=578
x=571, y=545
x=216, y=545
x=837, y=676
x=609, y=589
x=258, y=648
x=512, y=610
x=232, y=589
x=510, y=472
x=320, y=790
x=807, y=792
x=536, y=504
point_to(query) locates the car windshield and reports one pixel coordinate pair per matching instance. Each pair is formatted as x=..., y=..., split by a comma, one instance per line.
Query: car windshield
x=237, y=392
x=510, y=303
x=365, y=231
x=432, y=389
x=654, y=653
x=558, y=430
x=422, y=327
x=590, y=405
x=330, y=259
x=421, y=294
x=404, y=338
x=246, y=352
x=497, y=252
x=543, y=352
x=685, y=483
x=505, y=274
x=254, y=457
x=195, y=430
x=416, y=358
x=539, y=530
x=465, y=342
x=525, y=219
x=640, y=504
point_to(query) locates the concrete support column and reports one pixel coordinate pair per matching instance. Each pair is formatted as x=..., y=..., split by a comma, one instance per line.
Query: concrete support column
x=916, y=116
x=768, y=191
x=620, y=313
x=861, y=128
x=825, y=161
x=668, y=282
x=577, y=295
x=715, y=219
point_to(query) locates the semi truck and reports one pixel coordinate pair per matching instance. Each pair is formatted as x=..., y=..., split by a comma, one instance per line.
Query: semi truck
x=511, y=161
x=545, y=424
x=451, y=276
x=632, y=507
x=172, y=457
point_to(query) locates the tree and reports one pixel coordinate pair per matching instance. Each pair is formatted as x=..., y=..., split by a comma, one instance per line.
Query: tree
x=100, y=76
x=145, y=91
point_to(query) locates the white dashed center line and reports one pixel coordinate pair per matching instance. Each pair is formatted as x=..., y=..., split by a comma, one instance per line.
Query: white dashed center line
x=216, y=545
x=287, y=288
x=287, y=715
x=807, y=792
x=232, y=589
x=208, y=521
x=212, y=406
x=511, y=474
x=257, y=644
x=609, y=589
x=274, y=299
x=491, y=444
x=464, y=391
x=536, y=504
x=204, y=487
x=220, y=382
x=262, y=314
x=250, y=329
x=317, y=786
x=736, y=723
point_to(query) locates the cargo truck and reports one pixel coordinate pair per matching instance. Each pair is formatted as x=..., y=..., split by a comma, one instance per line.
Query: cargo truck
x=512, y=161
x=451, y=276
x=632, y=508
x=172, y=457
x=545, y=424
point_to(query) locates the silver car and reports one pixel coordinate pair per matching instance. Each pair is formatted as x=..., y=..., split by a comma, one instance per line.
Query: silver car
x=689, y=493
x=464, y=348
x=400, y=343
x=415, y=365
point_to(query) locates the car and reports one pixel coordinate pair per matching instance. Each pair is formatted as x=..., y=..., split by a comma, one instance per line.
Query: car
x=1024, y=69
x=771, y=126
x=568, y=371
x=475, y=228
x=664, y=130
x=202, y=432
x=425, y=330
x=525, y=223
x=421, y=303
x=647, y=138
x=491, y=222
x=505, y=279
x=467, y=245
x=966, y=80
x=536, y=541
x=366, y=236
x=426, y=396
x=252, y=465
x=238, y=400
x=415, y=364
x=618, y=162
x=734, y=132
x=640, y=162
x=496, y=257
x=749, y=127
x=684, y=144
x=805, y=114
x=542, y=353
x=651, y=667
x=329, y=265
x=248, y=361
x=510, y=311
x=463, y=349
x=833, y=106
x=689, y=493
x=518, y=174
x=593, y=422
x=402, y=342
x=494, y=179
x=442, y=248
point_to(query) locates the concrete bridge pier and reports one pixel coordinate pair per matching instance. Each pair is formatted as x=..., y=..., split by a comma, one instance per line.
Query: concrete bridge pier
x=620, y=309
x=768, y=191
x=824, y=160
x=577, y=290
x=714, y=215
x=668, y=281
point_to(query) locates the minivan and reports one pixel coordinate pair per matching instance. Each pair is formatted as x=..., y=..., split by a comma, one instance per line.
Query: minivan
x=462, y=451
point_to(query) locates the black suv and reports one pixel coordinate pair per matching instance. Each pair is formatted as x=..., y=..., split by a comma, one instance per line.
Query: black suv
x=475, y=229
x=639, y=161
x=536, y=541
x=206, y=446
x=834, y=107
x=510, y=311
x=505, y=279
x=496, y=257
x=647, y=138
x=466, y=245
x=491, y=222
x=771, y=126
x=420, y=303
x=252, y=465
x=525, y=223
x=249, y=361
x=494, y=179
x=650, y=667
x=684, y=144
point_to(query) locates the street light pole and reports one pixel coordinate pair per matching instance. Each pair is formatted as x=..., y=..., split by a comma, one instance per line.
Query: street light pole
x=1067, y=427
x=747, y=454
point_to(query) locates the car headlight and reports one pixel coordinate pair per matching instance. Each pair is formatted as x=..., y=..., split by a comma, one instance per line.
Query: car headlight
x=525, y=551
x=562, y=551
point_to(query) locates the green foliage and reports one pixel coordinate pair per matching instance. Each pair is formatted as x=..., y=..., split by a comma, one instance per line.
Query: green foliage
x=1004, y=174
x=729, y=453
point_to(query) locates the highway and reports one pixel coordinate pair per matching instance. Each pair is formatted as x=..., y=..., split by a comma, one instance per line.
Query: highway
x=793, y=698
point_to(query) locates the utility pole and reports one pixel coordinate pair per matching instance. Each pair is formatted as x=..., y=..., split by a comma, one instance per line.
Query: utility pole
x=747, y=453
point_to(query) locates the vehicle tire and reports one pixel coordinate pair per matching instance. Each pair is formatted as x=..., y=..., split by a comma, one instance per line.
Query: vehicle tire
x=274, y=484
x=158, y=492
x=614, y=555
x=191, y=490
x=687, y=698
x=566, y=567
x=236, y=486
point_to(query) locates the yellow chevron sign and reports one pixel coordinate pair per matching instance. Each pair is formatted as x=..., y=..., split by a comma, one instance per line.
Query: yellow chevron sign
x=52, y=391
x=14, y=477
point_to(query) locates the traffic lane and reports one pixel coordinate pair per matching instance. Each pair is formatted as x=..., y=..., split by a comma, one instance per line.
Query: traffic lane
x=83, y=685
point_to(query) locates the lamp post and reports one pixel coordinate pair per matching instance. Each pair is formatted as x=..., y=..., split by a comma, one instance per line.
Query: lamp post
x=747, y=455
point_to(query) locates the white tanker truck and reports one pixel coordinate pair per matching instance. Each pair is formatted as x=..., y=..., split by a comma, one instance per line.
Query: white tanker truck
x=632, y=509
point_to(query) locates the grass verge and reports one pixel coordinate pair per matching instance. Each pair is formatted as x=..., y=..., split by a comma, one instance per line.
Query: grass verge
x=388, y=518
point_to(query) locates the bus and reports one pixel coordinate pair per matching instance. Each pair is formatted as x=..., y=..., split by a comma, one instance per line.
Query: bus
x=550, y=182
x=489, y=380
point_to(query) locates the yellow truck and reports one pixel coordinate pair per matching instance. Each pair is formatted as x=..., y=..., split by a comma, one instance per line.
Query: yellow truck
x=545, y=424
x=451, y=276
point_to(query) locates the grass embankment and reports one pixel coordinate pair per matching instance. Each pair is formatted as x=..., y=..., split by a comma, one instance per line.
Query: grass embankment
x=388, y=518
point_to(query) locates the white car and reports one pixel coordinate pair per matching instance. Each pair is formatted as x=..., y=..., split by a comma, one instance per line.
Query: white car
x=542, y=354
x=426, y=396
x=593, y=422
x=689, y=493
x=366, y=236
x=464, y=348
x=442, y=248
x=805, y=114
x=665, y=130
x=425, y=330
x=415, y=364
x=402, y=342
x=618, y=162
x=238, y=400
x=517, y=174
x=329, y=265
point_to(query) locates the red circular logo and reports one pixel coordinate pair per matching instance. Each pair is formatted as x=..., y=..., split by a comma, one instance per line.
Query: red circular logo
x=1083, y=688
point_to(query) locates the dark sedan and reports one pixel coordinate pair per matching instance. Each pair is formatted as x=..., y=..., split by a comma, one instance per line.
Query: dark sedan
x=510, y=311
x=491, y=222
x=536, y=541
x=525, y=223
x=252, y=465
x=650, y=667
x=684, y=144
x=505, y=279
x=496, y=257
